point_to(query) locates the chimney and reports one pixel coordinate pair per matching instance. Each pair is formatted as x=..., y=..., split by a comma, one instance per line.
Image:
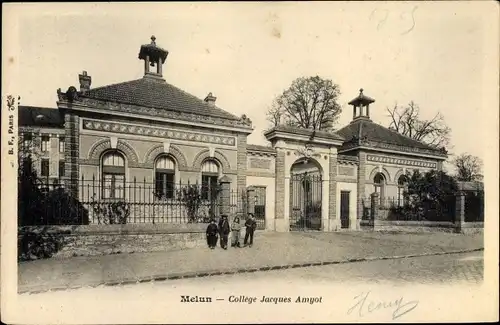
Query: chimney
x=210, y=99
x=85, y=81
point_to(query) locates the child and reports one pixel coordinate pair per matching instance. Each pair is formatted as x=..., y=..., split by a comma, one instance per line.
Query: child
x=224, y=230
x=212, y=234
x=250, y=225
x=236, y=227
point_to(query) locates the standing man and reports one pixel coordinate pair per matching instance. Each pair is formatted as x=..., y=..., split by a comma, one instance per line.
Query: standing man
x=250, y=225
x=224, y=230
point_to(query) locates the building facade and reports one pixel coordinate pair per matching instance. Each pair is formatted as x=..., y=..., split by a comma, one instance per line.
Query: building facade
x=141, y=139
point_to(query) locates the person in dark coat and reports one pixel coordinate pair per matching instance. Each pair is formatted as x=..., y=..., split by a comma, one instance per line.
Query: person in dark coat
x=250, y=225
x=224, y=230
x=212, y=234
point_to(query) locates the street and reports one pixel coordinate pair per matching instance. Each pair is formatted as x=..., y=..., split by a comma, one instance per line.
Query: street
x=441, y=269
x=322, y=286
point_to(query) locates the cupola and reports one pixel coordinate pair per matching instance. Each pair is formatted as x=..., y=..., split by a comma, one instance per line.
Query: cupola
x=361, y=106
x=154, y=57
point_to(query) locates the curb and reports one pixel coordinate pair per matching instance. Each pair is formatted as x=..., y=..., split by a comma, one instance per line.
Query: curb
x=202, y=274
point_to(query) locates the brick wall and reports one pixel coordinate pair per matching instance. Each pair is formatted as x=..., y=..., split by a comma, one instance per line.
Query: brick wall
x=361, y=182
x=71, y=150
x=242, y=161
x=280, y=184
x=332, y=210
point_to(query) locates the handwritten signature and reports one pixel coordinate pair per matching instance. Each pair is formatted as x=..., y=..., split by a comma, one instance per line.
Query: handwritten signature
x=365, y=306
x=383, y=14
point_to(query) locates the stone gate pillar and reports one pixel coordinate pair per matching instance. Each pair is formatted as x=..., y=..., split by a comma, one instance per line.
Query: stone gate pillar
x=225, y=183
x=280, y=222
x=459, y=211
x=332, y=192
x=374, y=206
x=361, y=187
x=250, y=200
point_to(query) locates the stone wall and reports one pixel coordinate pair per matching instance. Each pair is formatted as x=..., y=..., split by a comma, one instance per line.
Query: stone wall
x=114, y=239
x=422, y=226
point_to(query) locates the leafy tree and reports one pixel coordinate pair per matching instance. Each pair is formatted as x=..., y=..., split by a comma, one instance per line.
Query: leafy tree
x=407, y=121
x=467, y=167
x=30, y=196
x=309, y=103
x=430, y=196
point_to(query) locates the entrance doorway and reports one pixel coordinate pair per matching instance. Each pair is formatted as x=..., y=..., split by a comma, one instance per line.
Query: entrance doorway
x=344, y=209
x=260, y=207
x=305, y=196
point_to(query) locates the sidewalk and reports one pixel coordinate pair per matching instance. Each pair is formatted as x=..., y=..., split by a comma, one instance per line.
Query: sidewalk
x=270, y=251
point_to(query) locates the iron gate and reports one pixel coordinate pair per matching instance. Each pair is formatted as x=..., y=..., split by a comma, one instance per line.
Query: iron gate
x=305, y=202
x=260, y=207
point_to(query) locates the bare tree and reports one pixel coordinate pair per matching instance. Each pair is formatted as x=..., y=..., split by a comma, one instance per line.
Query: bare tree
x=309, y=103
x=468, y=167
x=407, y=121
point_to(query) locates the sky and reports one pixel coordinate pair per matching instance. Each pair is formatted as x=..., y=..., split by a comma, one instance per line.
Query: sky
x=435, y=54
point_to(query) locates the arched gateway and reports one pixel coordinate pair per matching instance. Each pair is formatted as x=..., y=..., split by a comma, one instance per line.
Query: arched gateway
x=306, y=195
x=305, y=184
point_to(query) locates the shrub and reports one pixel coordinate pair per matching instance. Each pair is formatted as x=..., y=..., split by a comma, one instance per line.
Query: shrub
x=190, y=196
x=63, y=209
x=112, y=212
x=39, y=207
x=38, y=245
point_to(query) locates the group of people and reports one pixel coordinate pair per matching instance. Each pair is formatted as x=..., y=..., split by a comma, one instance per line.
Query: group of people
x=223, y=229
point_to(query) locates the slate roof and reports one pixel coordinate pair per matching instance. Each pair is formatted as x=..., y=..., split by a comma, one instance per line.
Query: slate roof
x=306, y=132
x=40, y=117
x=156, y=94
x=362, y=128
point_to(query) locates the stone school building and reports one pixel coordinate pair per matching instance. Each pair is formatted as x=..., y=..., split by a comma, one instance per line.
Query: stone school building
x=142, y=140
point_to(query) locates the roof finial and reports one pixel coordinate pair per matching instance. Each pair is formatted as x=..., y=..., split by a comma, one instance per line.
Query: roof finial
x=361, y=91
x=153, y=39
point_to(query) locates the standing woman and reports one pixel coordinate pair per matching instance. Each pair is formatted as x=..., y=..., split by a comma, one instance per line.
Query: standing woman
x=236, y=227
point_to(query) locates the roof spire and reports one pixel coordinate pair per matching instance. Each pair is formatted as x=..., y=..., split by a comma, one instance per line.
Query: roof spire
x=361, y=101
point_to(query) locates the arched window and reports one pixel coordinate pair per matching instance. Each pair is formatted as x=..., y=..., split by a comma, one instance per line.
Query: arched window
x=113, y=175
x=164, y=178
x=379, y=183
x=209, y=179
x=402, y=180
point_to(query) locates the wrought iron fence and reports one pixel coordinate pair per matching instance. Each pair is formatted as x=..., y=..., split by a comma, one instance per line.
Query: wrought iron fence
x=117, y=202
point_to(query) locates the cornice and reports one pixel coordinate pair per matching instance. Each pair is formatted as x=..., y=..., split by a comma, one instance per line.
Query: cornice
x=152, y=131
x=396, y=149
x=401, y=161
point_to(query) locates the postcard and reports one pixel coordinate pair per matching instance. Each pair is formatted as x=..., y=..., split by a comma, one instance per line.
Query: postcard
x=253, y=162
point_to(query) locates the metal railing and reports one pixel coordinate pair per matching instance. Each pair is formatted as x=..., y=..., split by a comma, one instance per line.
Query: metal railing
x=118, y=202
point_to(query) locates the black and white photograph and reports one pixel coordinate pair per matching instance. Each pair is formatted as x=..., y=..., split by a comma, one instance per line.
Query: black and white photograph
x=253, y=162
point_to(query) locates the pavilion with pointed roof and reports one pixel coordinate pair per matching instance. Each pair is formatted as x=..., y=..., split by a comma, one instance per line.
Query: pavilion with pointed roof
x=110, y=138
